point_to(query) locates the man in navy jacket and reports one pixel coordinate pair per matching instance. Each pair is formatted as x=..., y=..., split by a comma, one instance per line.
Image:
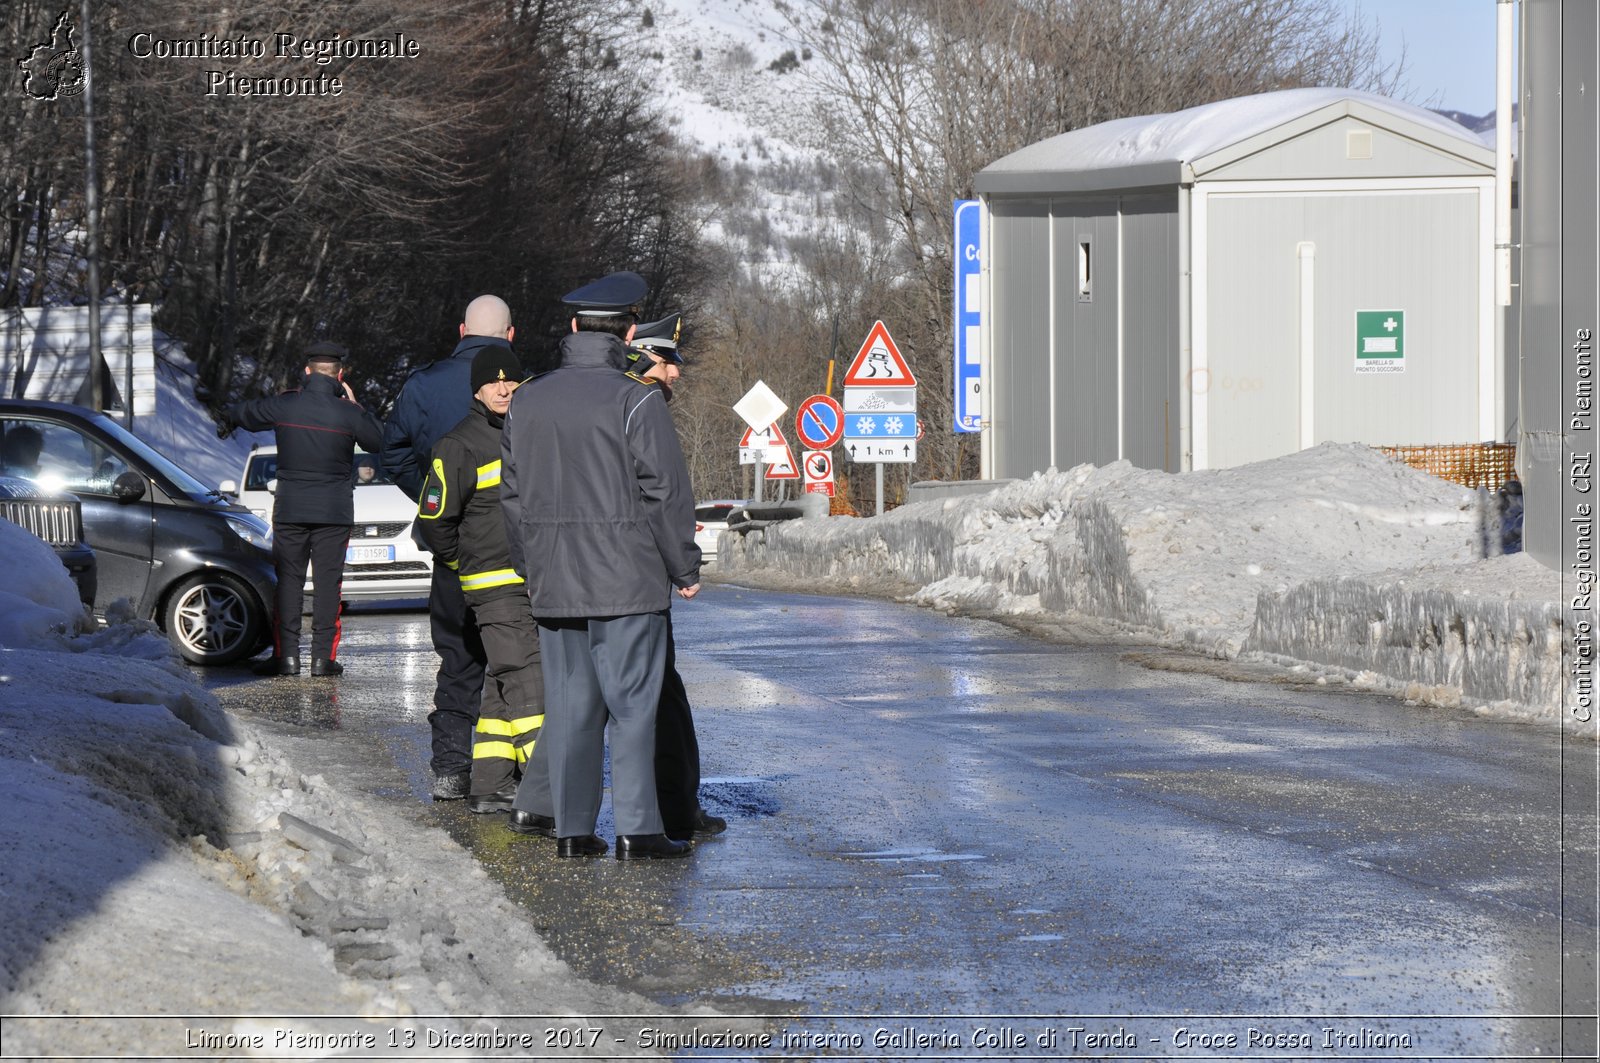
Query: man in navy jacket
x=317, y=428
x=600, y=522
x=433, y=401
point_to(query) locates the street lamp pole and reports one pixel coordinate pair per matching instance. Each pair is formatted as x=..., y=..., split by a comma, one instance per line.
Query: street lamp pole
x=91, y=205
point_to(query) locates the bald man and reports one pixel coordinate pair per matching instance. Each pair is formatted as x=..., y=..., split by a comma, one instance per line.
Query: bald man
x=433, y=401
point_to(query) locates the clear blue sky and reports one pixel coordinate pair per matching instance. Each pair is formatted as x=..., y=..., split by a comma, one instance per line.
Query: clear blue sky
x=1449, y=49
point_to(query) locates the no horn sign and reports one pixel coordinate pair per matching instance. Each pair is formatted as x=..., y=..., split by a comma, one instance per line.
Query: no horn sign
x=818, y=465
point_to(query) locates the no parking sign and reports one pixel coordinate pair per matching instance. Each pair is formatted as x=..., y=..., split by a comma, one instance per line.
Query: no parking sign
x=819, y=422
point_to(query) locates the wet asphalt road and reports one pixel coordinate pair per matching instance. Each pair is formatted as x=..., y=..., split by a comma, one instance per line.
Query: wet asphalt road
x=944, y=819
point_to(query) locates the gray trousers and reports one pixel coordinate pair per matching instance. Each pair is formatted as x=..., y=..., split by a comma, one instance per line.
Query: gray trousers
x=600, y=671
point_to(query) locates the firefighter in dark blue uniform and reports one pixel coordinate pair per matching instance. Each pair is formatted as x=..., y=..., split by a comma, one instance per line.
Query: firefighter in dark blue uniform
x=459, y=519
x=317, y=429
x=433, y=401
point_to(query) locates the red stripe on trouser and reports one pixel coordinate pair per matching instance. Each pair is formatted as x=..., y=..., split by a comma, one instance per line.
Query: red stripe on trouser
x=338, y=616
x=338, y=628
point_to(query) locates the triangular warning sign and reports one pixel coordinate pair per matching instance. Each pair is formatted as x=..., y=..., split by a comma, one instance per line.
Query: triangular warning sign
x=784, y=468
x=878, y=364
x=770, y=436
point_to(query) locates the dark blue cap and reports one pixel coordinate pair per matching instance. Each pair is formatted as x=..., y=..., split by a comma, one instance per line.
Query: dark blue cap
x=613, y=294
x=659, y=338
x=325, y=351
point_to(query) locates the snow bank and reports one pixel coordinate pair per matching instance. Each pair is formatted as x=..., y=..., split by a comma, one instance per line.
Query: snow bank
x=161, y=859
x=1489, y=634
x=38, y=600
x=1294, y=560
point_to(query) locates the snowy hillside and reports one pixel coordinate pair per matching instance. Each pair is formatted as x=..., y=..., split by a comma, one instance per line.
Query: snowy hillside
x=720, y=72
x=735, y=86
x=182, y=429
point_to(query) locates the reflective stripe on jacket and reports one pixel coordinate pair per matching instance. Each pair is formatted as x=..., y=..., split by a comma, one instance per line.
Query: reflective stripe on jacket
x=458, y=512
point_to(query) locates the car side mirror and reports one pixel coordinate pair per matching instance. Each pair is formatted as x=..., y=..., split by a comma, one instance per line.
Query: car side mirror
x=272, y=486
x=129, y=487
x=228, y=487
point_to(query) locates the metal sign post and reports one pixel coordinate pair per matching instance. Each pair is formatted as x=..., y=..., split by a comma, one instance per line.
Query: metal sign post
x=91, y=211
x=760, y=409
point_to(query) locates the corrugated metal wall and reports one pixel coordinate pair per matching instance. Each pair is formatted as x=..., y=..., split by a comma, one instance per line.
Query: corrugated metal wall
x=1150, y=388
x=1133, y=281
x=1019, y=388
x=44, y=354
x=1086, y=331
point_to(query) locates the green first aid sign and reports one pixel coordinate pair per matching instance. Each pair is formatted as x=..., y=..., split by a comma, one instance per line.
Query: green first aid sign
x=1380, y=341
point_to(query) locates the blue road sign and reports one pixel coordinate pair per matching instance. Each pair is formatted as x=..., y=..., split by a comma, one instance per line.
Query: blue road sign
x=880, y=426
x=968, y=370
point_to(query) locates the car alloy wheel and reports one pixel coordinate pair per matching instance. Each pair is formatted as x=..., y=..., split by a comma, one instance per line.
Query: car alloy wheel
x=213, y=619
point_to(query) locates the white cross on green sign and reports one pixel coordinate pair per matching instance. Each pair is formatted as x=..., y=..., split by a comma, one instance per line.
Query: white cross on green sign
x=1380, y=341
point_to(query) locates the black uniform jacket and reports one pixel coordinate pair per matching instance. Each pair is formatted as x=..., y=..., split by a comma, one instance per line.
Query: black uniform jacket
x=459, y=514
x=598, y=506
x=317, y=429
x=433, y=401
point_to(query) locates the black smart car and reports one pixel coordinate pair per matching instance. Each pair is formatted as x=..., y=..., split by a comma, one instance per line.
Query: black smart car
x=197, y=564
x=57, y=518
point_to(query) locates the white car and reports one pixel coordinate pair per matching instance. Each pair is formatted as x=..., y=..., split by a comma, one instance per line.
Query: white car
x=382, y=561
x=710, y=521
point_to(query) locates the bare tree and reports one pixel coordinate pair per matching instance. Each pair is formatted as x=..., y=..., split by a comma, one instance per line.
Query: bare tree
x=924, y=93
x=506, y=154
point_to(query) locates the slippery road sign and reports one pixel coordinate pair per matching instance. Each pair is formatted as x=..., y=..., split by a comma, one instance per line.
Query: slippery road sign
x=878, y=364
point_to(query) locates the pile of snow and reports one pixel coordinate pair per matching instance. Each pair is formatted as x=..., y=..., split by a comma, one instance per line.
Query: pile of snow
x=38, y=600
x=1336, y=556
x=162, y=859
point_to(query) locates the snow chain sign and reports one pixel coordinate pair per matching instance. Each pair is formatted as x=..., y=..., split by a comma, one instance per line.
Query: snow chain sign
x=1380, y=341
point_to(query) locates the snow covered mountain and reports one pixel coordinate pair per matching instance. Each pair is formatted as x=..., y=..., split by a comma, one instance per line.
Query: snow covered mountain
x=731, y=79
x=735, y=85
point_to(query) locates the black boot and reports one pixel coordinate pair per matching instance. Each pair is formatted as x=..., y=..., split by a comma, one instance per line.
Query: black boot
x=278, y=666
x=499, y=801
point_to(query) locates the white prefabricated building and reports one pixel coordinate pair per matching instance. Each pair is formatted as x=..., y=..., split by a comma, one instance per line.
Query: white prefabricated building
x=44, y=354
x=1239, y=281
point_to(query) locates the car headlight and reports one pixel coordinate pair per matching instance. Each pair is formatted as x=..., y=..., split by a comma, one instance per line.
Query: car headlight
x=252, y=529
